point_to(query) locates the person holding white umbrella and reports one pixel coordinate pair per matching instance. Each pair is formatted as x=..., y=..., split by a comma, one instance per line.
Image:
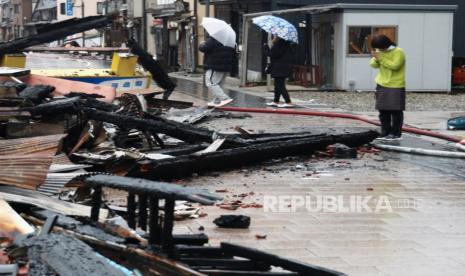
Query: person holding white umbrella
x=219, y=51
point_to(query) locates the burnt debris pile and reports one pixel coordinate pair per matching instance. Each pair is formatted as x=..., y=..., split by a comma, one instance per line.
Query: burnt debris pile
x=63, y=156
x=64, y=153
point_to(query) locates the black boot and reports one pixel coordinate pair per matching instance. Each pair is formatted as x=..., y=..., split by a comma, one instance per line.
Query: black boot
x=385, y=120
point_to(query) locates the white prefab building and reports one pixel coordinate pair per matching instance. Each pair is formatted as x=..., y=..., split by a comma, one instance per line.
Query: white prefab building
x=342, y=35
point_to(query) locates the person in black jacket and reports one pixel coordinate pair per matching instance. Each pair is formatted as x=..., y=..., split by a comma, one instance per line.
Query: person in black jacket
x=218, y=61
x=280, y=68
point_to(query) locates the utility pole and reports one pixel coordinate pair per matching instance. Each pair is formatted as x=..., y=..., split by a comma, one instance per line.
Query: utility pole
x=195, y=34
x=83, y=33
x=207, y=8
x=144, y=25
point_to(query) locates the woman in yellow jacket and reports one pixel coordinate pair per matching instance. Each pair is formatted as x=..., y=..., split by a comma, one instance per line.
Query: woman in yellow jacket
x=390, y=90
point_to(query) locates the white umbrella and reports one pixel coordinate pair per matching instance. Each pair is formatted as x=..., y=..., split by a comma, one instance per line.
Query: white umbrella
x=220, y=30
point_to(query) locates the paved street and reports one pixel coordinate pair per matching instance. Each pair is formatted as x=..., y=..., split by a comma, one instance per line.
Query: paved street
x=419, y=231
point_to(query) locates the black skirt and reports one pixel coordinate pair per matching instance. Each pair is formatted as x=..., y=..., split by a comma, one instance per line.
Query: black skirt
x=390, y=98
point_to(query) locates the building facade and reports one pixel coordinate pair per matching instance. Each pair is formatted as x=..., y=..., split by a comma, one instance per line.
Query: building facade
x=15, y=14
x=319, y=61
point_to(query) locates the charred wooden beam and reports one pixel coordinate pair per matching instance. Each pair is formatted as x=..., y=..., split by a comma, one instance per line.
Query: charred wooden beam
x=147, y=61
x=199, y=251
x=48, y=226
x=69, y=105
x=221, y=272
x=154, y=221
x=230, y=264
x=56, y=31
x=196, y=239
x=131, y=210
x=152, y=188
x=143, y=212
x=179, y=131
x=96, y=202
x=63, y=254
x=168, y=223
x=236, y=157
x=274, y=260
x=70, y=223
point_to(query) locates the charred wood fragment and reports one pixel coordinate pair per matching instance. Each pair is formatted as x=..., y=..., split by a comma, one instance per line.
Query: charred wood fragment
x=131, y=210
x=159, y=75
x=143, y=212
x=176, y=130
x=51, y=254
x=56, y=31
x=274, y=260
x=236, y=157
x=152, y=188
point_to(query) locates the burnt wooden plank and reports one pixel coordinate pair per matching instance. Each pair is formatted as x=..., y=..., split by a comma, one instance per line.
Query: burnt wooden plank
x=218, y=272
x=199, y=251
x=184, y=132
x=193, y=239
x=229, y=264
x=152, y=188
x=274, y=260
x=77, y=226
x=236, y=157
x=65, y=255
x=56, y=31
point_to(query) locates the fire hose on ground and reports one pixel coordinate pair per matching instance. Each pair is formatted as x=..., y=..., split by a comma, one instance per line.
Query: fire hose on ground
x=460, y=143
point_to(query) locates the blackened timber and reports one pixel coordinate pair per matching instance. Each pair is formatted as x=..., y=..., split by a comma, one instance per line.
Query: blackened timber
x=176, y=130
x=199, y=251
x=66, y=255
x=132, y=210
x=143, y=212
x=67, y=222
x=274, y=260
x=237, y=157
x=221, y=272
x=55, y=32
x=154, y=221
x=96, y=202
x=236, y=264
x=168, y=223
x=152, y=188
x=193, y=239
x=159, y=75
x=69, y=105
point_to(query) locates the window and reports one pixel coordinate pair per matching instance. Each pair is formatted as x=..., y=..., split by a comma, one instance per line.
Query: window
x=360, y=38
x=62, y=8
x=99, y=7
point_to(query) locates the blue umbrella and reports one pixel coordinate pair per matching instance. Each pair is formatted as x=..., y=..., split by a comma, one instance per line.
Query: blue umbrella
x=277, y=26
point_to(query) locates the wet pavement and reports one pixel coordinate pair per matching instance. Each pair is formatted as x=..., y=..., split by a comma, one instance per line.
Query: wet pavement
x=199, y=91
x=421, y=233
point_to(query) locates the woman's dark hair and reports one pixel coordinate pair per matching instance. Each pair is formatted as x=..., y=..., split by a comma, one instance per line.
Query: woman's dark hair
x=381, y=42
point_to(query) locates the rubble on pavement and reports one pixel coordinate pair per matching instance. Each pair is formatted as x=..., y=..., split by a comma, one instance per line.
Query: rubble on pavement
x=62, y=152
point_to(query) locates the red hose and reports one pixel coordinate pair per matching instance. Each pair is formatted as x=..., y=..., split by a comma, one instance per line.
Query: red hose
x=344, y=116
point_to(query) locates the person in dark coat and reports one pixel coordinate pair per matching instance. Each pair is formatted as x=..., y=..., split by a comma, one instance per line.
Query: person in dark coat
x=280, y=68
x=218, y=61
x=390, y=90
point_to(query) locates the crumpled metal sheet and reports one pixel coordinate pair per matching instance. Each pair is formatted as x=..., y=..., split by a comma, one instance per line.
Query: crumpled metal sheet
x=189, y=115
x=36, y=145
x=24, y=171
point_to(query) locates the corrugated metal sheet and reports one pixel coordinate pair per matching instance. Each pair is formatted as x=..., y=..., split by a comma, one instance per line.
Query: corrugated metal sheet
x=55, y=182
x=42, y=144
x=25, y=171
x=62, y=159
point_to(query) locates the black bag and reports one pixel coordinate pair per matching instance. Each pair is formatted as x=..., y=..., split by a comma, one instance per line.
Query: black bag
x=268, y=68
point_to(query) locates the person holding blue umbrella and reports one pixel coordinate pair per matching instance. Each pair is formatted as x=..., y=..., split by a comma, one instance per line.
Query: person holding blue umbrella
x=280, y=67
